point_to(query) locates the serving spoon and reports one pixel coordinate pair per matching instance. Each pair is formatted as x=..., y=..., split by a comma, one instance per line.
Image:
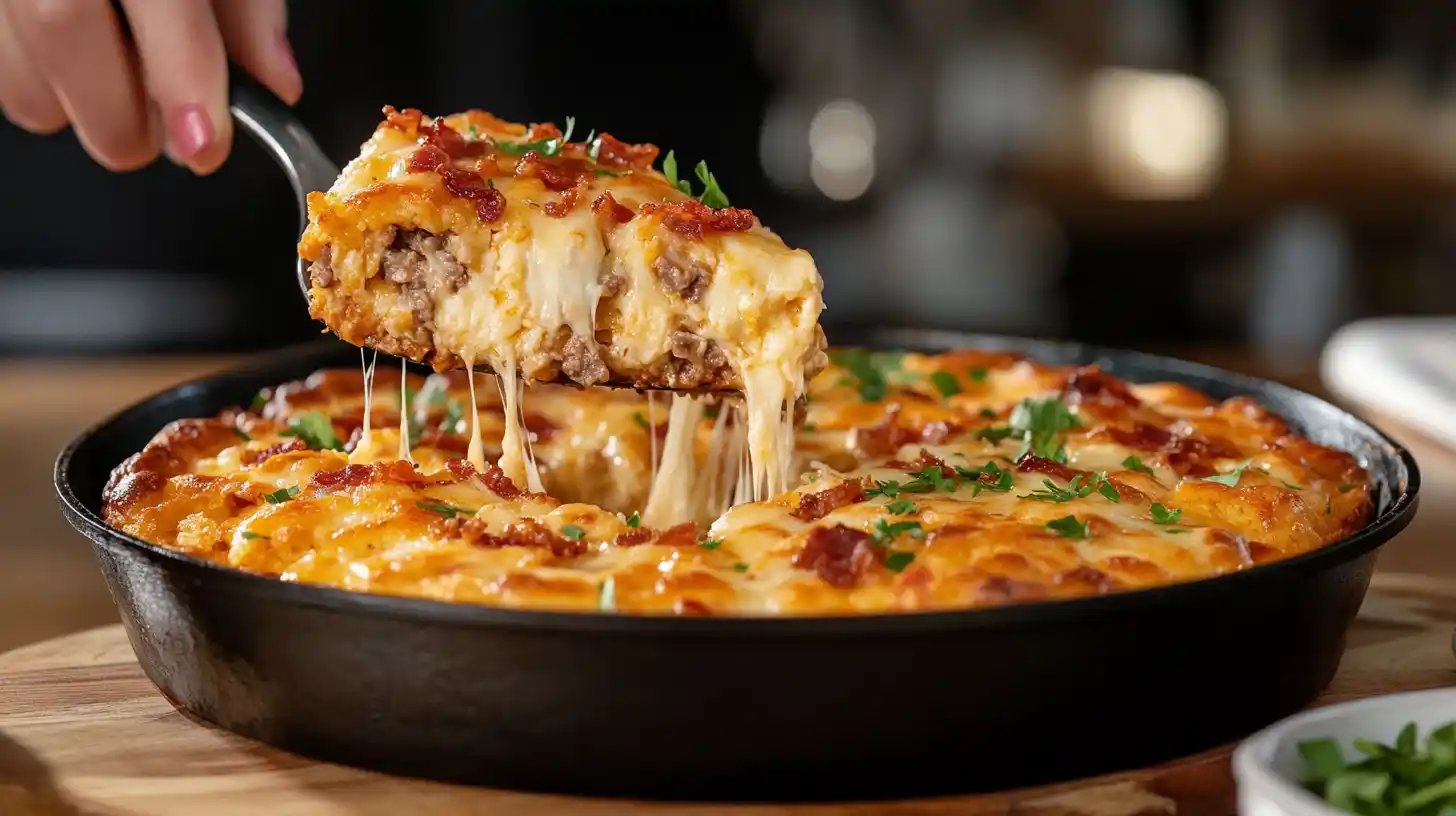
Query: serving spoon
x=272, y=124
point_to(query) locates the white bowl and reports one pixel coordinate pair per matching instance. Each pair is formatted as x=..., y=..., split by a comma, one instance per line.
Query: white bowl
x=1268, y=767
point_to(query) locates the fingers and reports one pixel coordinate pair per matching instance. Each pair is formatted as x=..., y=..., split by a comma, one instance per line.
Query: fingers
x=78, y=46
x=256, y=34
x=185, y=68
x=25, y=96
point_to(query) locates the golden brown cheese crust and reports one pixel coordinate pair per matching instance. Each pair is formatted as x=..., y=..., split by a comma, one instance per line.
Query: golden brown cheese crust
x=447, y=241
x=931, y=503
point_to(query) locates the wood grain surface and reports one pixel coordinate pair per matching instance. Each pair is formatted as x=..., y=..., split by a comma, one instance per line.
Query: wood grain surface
x=82, y=731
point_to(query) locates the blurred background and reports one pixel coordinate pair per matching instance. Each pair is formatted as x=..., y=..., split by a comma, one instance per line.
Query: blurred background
x=1227, y=179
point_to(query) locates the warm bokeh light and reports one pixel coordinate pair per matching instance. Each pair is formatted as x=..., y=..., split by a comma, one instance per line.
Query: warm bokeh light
x=1156, y=135
x=842, y=149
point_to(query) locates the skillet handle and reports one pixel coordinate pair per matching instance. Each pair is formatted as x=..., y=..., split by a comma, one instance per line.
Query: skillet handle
x=272, y=124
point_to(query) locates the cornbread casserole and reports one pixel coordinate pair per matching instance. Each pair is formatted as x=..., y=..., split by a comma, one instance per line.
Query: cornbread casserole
x=958, y=480
x=466, y=240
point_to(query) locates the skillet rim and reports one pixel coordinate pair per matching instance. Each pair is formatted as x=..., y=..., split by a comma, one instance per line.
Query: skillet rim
x=1375, y=533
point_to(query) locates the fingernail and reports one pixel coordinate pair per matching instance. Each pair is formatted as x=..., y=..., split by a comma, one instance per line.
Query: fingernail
x=191, y=131
x=287, y=60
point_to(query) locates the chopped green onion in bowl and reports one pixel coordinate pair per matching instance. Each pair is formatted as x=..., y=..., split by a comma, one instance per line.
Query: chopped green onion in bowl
x=1409, y=775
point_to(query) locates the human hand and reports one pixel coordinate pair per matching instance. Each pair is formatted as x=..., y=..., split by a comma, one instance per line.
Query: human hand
x=162, y=89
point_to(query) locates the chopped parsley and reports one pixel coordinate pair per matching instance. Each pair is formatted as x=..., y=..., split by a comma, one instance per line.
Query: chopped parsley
x=889, y=489
x=1290, y=485
x=712, y=195
x=545, y=148
x=1162, y=515
x=995, y=435
x=898, y=561
x=446, y=510
x=740, y=567
x=808, y=426
x=988, y=413
x=901, y=507
x=1003, y=483
x=260, y=400
x=669, y=169
x=1230, y=479
x=1041, y=422
x=930, y=479
x=280, y=496
x=1346, y=488
x=711, y=544
x=607, y=595
x=869, y=377
x=885, y=532
x=315, y=430
x=641, y=420
x=242, y=434
x=1080, y=487
x=249, y=535
x=946, y=383
x=634, y=520
x=1069, y=527
x=977, y=373
x=571, y=532
x=1136, y=465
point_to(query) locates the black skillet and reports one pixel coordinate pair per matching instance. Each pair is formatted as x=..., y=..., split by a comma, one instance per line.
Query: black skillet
x=740, y=708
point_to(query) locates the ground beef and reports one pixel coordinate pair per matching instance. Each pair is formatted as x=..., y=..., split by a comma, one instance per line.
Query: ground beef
x=322, y=270
x=420, y=264
x=581, y=361
x=682, y=277
x=696, y=362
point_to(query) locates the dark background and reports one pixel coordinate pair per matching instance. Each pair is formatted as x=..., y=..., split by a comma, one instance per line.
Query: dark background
x=1030, y=162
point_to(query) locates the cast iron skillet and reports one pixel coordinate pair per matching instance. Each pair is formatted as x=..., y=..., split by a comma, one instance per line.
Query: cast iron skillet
x=740, y=708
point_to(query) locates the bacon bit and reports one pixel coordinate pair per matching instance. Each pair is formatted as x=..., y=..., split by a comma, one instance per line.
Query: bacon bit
x=556, y=174
x=681, y=535
x=525, y=533
x=693, y=218
x=1036, y=464
x=428, y=159
x=490, y=203
x=462, y=470
x=293, y=444
x=407, y=120
x=440, y=135
x=886, y=437
x=616, y=153
x=687, y=606
x=999, y=589
x=633, y=537
x=1089, y=577
x=840, y=555
x=815, y=506
x=924, y=460
x=1091, y=385
x=1187, y=455
x=606, y=204
x=541, y=131
x=396, y=472
x=1143, y=437
x=499, y=483
x=562, y=207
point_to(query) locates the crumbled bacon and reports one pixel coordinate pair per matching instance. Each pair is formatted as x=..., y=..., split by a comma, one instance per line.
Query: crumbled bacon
x=608, y=206
x=693, y=218
x=427, y=159
x=435, y=155
x=681, y=535
x=635, y=536
x=1188, y=455
x=1092, y=385
x=616, y=153
x=293, y=444
x=407, y=120
x=815, y=506
x=395, y=472
x=1036, y=464
x=886, y=437
x=461, y=469
x=440, y=135
x=925, y=460
x=499, y=483
x=562, y=207
x=490, y=203
x=525, y=533
x=556, y=174
x=840, y=555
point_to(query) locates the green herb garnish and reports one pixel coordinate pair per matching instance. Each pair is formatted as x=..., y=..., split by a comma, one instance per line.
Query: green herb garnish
x=571, y=532
x=930, y=479
x=1290, y=485
x=711, y=544
x=1080, y=487
x=545, y=148
x=995, y=435
x=641, y=420
x=867, y=376
x=1406, y=778
x=978, y=373
x=946, y=383
x=280, y=496
x=988, y=413
x=315, y=430
x=901, y=507
x=242, y=434
x=1230, y=479
x=889, y=489
x=713, y=195
x=740, y=567
x=669, y=169
x=1069, y=527
x=1163, y=515
x=1136, y=465
x=446, y=510
x=634, y=520
x=885, y=532
x=1346, y=488
x=260, y=401
x=249, y=535
x=1041, y=422
x=898, y=561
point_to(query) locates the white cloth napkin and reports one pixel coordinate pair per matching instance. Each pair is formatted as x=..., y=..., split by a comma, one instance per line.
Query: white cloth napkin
x=1402, y=367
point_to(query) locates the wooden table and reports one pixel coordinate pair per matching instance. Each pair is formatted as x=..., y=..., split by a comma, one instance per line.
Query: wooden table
x=51, y=587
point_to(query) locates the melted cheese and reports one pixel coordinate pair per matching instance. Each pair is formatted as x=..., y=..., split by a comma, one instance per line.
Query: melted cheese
x=404, y=441
x=475, y=453
x=364, y=450
x=675, y=485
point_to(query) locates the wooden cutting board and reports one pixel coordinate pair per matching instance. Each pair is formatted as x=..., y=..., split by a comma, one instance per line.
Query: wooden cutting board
x=82, y=731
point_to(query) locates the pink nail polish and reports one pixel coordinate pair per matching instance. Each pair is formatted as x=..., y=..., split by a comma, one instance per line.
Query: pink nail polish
x=191, y=131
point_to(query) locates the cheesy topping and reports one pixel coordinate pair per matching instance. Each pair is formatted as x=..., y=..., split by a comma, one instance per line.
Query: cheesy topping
x=951, y=481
